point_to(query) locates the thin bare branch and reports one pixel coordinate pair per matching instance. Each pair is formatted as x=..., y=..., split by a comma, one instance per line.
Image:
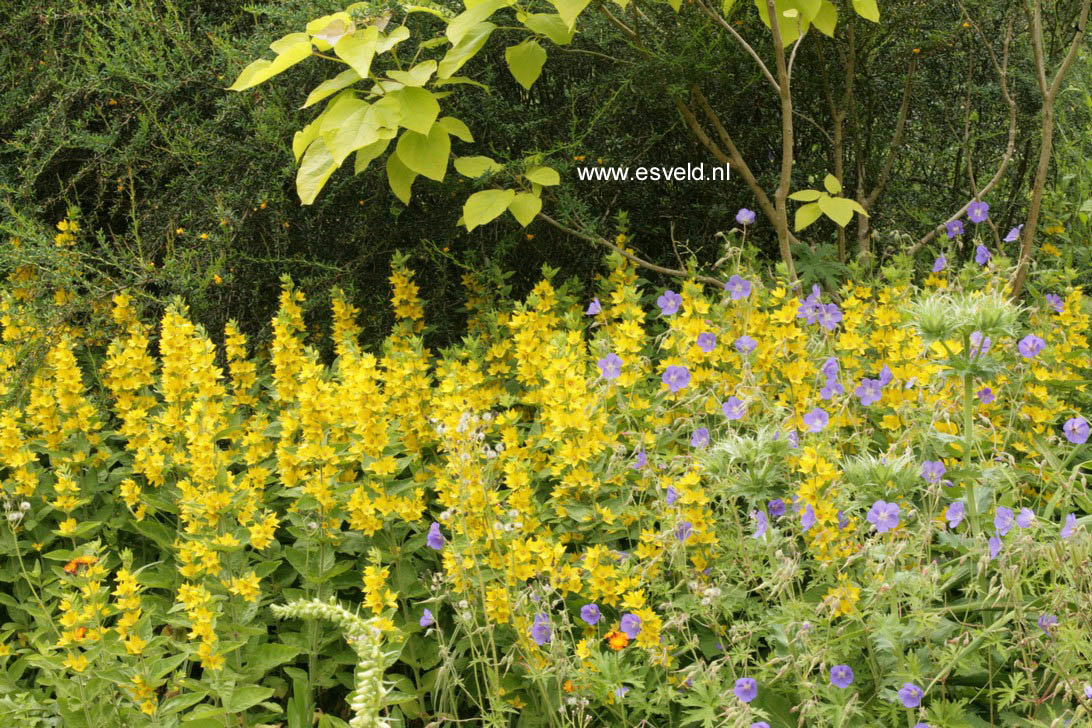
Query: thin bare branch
x=718, y=18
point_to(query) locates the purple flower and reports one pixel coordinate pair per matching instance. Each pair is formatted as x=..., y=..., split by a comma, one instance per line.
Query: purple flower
x=676, y=378
x=1014, y=234
x=985, y=394
x=1025, y=518
x=745, y=216
x=1030, y=346
x=764, y=724
x=745, y=344
x=621, y=692
x=832, y=388
x=746, y=689
x=1046, y=622
x=734, y=408
x=593, y=307
x=1055, y=302
x=807, y=520
x=761, y=523
x=911, y=695
x=590, y=613
x=684, y=530
x=933, y=470
x=811, y=306
x=776, y=507
x=978, y=212
x=707, y=342
x=793, y=439
x=816, y=420
x=921, y=725
x=829, y=316
x=1088, y=692
x=611, y=366
x=540, y=630
x=738, y=287
x=869, y=391
x=1076, y=430
x=941, y=262
x=843, y=520
x=885, y=376
x=981, y=255
x=669, y=302
x=700, y=438
x=953, y=228
x=641, y=461
x=884, y=516
x=979, y=344
x=631, y=625
x=427, y=620
x=995, y=546
x=435, y=539
x=1069, y=527
x=1003, y=520
x=830, y=367
x=955, y=513
x=841, y=676
x=672, y=495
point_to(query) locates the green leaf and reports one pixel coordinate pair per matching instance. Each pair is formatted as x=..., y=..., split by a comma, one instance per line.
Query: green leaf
x=726, y=7
x=867, y=9
x=524, y=207
x=458, y=80
x=826, y=19
x=548, y=24
x=675, y=4
x=485, y=206
x=474, y=167
x=416, y=76
x=426, y=154
x=355, y=132
x=265, y=657
x=317, y=166
x=303, y=138
x=358, y=49
x=245, y=697
x=456, y=128
x=366, y=155
x=331, y=86
x=466, y=20
x=400, y=177
x=788, y=27
x=419, y=108
x=806, y=215
x=833, y=186
x=386, y=42
x=543, y=176
x=263, y=70
x=838, y=209
x=569, y=10
x=318, y=25
x=525, y=61
x=465, y=49
x=806, y=195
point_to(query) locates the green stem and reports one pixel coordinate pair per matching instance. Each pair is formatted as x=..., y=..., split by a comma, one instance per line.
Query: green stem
x=968, y=432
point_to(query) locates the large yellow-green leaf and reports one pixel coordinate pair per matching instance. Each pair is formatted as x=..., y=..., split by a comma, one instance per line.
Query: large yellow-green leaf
x=390, y=40
x=548, y=24
x=327, y=31
x=832, y=185
x=485, y=206
x=826, y=19
x=358, y=49
x=465, y=49
x=543, y=176
x=464, y=21
x=416, y=76
x=525, y=61
x=867, y=9
x=474, y=167
x=262, y=70
x=355, y=132
x=426, y=154
x=365, y=155
x=331, y=86
x=318, y=25
x=419, y=108
x=456, y=128
x=806, y=195
x=339, y=110
x=315, y=169
x=458, y=80
x=806, y=215
x=838, y=209
x=303, y=138
x=385, y=113
x=524, y=207
x=790, y=28
x=400, y=177
x=569, y=10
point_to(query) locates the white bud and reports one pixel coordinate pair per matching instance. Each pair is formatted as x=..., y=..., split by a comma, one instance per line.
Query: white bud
x=24, y=506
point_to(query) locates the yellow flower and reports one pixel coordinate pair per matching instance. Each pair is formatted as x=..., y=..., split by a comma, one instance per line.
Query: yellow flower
x=76, y=662
x=67, y=527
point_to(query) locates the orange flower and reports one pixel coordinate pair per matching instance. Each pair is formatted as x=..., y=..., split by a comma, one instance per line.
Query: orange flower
x=568, y=686
x=617, y=640
x=74, y=565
